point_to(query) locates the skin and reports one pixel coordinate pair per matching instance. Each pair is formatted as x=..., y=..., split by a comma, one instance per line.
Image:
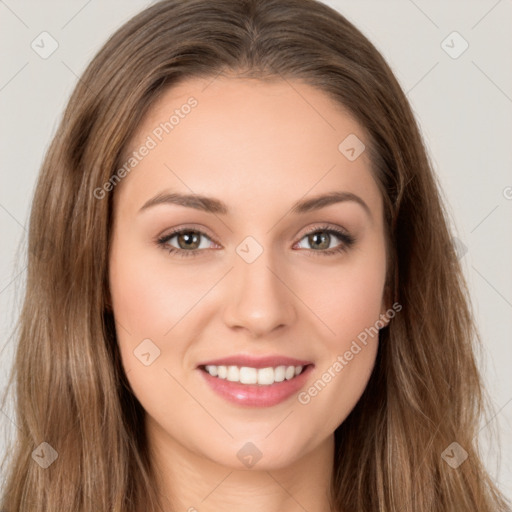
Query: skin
x=258, y=147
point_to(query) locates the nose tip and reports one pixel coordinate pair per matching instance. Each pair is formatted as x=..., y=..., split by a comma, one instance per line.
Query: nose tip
x=259, y=301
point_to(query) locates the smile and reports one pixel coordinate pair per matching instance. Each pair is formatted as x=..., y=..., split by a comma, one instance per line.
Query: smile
x=248, y=375
x=265, y=387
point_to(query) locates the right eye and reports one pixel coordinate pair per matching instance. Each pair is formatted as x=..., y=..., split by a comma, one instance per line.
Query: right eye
x=189, y=242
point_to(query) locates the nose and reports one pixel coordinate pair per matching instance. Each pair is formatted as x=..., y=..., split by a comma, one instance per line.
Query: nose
x=259, y=299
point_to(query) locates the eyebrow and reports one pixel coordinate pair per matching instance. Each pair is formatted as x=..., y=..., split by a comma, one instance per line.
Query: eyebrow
x=213, y=205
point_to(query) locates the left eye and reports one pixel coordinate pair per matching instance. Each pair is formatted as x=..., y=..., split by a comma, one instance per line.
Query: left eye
x=321, y=238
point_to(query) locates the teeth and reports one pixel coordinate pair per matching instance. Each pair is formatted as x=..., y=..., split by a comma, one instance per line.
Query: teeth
x=279, y=373
x=247, y=375
x=289, y=372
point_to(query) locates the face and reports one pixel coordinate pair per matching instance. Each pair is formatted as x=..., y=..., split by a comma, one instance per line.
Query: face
x=260, y=273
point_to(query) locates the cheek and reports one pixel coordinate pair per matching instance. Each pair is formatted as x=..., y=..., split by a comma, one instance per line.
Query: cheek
x=350, y=310
x=152, y=299
x=148, y=298
x=359, y=300
x=349, y=299
x=142, y=307
x=147, y=304
x=137, y=297
x=349, y=307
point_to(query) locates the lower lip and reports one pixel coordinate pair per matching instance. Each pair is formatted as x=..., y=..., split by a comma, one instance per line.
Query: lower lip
x=254, y=395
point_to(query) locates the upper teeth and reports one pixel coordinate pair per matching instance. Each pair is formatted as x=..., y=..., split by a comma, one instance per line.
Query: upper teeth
x=247, y=375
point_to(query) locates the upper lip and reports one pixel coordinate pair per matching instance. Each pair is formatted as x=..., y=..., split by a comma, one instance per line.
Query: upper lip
x=255, y=361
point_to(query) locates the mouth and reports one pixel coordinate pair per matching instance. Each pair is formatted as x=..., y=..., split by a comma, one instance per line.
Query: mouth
x=255, y=387
x=254, y=376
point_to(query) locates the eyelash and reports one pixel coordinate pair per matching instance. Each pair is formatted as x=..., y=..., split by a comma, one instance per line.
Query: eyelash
x=346, y=239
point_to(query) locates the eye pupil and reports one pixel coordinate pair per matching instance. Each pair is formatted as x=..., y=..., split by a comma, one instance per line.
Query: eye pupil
x=191, y=240
x=323, y=238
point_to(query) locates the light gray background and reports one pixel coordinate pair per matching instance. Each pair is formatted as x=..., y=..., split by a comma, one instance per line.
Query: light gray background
x=463, y=105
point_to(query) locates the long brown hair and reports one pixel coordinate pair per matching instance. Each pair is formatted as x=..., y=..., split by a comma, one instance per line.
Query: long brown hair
x=71, y=391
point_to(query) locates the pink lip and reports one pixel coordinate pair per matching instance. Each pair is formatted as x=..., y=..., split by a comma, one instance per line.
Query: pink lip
x=256, y=362
x=254, y=395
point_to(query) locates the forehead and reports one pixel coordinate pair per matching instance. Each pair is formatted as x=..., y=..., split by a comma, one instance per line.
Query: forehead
x=247, y=138
x=277, y=106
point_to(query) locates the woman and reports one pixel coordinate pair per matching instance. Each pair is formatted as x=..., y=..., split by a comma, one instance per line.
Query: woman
x=303, y=358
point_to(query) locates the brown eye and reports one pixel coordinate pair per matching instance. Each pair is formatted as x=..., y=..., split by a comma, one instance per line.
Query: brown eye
x=189, y=242
x=319, y=239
